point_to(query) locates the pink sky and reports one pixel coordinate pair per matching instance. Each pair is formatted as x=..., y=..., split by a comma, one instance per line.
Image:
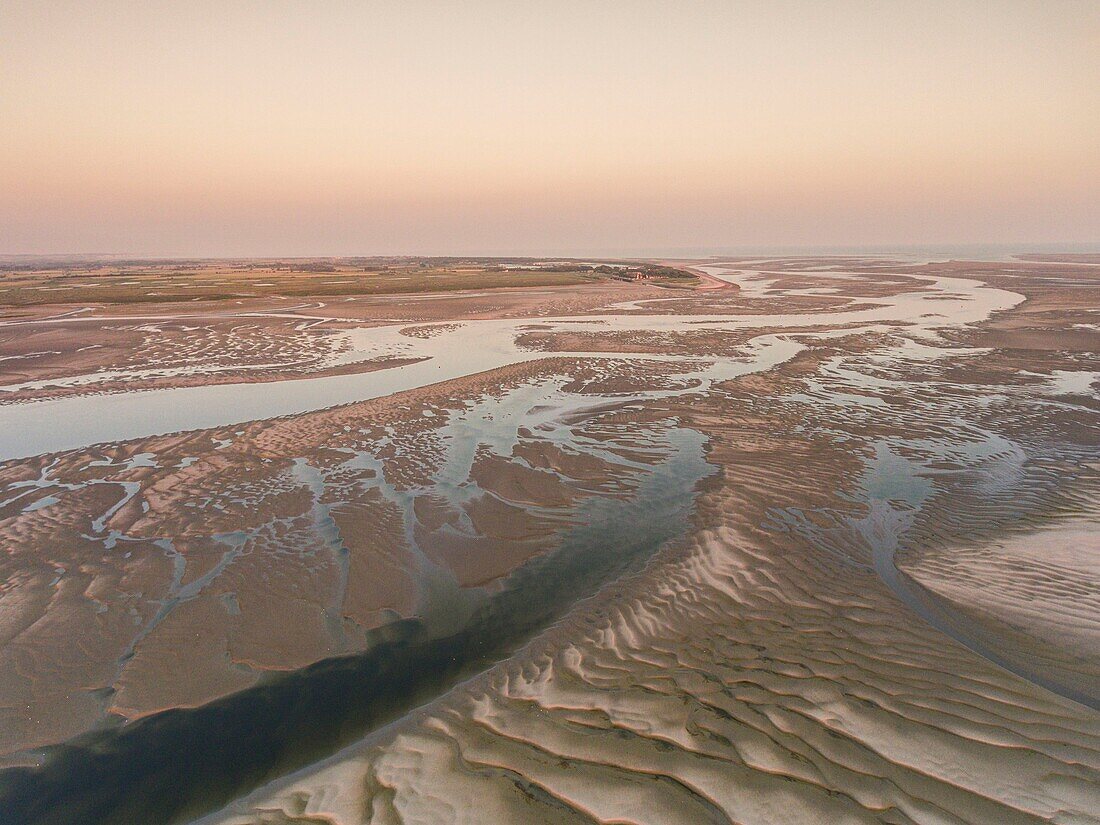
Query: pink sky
x=269, y=128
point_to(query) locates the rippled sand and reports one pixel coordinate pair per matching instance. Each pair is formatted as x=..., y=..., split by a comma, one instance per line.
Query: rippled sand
x=883, y=604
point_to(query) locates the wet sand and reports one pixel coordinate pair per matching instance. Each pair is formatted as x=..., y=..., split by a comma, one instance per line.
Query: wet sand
x=879, y=603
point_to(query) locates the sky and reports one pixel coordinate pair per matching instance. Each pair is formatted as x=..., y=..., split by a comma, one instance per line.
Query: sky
x=358, y=128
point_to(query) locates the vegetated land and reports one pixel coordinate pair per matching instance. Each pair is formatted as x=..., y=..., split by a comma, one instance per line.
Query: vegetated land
x=35, y=281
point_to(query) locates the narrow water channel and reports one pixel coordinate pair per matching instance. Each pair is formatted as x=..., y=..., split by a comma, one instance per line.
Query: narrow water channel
x=181, y=763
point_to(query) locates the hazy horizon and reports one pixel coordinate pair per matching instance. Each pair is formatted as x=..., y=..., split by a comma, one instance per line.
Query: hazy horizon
x=279, y=130
x=974, y=249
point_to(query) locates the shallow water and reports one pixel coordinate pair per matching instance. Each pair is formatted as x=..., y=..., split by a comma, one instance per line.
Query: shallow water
x=891, y=478
x=182, y=762
x=474, y=346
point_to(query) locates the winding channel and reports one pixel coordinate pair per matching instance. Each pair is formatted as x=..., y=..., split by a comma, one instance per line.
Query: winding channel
x=181, y=763
x=32, y=428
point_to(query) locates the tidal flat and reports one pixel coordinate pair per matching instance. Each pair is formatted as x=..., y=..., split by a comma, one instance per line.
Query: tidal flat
x=746, y=540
